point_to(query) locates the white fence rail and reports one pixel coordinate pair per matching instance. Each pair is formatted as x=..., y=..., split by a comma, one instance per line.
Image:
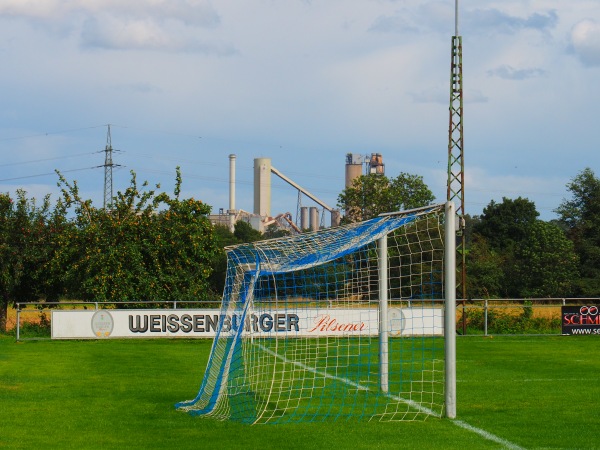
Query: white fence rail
x=474, y=317
x=514, y=316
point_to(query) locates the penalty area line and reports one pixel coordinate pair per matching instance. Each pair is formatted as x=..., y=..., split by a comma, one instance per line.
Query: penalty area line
x=459, y=423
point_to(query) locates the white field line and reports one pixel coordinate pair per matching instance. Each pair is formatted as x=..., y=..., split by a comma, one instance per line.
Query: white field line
x=535, y=380
x=553, y=380
x=459, y=423
x=489, y=436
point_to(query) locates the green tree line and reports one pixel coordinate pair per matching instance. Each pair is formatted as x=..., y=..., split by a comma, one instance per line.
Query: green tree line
x=149, y=245
x=510, y=252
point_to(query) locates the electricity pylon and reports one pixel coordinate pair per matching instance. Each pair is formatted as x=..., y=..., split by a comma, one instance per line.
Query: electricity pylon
x=108, y=166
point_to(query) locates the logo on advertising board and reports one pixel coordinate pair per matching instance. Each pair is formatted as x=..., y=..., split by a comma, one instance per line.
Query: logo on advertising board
x=102, y=324
x=581, y=319
x=397, y=321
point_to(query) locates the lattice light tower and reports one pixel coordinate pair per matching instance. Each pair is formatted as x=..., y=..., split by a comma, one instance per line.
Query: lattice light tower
x=456, y=173
x=108, y=166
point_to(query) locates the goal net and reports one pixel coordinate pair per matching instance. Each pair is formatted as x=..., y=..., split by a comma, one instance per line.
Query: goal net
x=341, y=323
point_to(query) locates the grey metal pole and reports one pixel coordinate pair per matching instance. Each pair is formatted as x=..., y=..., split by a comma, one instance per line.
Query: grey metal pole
x=18, y=321
x=450, y=309
x=485, y=321
x=383, y=315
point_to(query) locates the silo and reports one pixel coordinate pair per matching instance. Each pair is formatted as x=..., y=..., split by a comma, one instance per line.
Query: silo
x=262, y=187
x=304, y=218
x=336, y=218
x=353, y=167
x=314, y=218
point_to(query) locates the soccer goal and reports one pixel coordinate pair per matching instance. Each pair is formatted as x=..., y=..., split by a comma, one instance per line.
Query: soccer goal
x=356, y=321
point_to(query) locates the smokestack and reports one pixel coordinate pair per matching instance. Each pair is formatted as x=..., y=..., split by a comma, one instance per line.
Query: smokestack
x=231, y=192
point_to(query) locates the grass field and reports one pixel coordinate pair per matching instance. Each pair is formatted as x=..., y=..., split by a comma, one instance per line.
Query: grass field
x=513, y=392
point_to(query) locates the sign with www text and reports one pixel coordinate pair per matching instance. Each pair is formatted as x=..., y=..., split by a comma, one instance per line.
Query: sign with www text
x=581, y=320
x=204, y=323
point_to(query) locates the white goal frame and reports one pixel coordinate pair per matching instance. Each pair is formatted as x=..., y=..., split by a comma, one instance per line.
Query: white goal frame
x=264, y=375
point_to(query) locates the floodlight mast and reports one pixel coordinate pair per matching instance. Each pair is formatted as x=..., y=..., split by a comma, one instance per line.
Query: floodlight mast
x=456, y=18
x=456, y=175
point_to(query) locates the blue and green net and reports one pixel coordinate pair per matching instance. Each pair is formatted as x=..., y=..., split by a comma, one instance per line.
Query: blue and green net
x=300, y=335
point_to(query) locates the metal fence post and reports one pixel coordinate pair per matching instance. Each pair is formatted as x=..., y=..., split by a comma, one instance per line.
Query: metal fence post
x=485, y=318
x=18, y=320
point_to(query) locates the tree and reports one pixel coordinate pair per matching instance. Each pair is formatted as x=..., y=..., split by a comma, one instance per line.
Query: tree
x=223, y=238
x=147, y=246
x=485, y=273
x=546, y=263
x=514, y=254
x=371, y=195
x=581, y=217
x=244, y=232
x=506, y=224
x=25, y=250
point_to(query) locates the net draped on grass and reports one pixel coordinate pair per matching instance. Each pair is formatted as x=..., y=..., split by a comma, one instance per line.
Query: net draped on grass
x=299, y=336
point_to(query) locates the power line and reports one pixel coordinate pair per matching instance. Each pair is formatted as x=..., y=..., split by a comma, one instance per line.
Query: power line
x=49, y=133
x=46, y=159
x=48, y=173
x=174, y=133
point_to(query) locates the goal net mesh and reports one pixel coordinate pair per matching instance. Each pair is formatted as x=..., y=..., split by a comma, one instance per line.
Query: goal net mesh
x=299, y=336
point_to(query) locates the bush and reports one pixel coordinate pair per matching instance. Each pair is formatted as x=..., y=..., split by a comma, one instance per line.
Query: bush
x=34, y=329
x=499, y=322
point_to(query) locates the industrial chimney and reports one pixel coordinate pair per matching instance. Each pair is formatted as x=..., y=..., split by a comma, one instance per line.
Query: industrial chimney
x=231, y=193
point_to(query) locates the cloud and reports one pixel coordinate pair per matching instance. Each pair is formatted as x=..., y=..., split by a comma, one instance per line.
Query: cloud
x=507, y=72
x=439, y=16
x=484, y=185
x=144, y=34
x=585, y=42
x=32, y=9
x=162, y=25
x=198, y=13
x=428, y=16
x=493, y=20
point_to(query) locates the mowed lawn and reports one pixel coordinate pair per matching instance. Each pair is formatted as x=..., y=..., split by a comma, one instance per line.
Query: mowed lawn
x=513, y=392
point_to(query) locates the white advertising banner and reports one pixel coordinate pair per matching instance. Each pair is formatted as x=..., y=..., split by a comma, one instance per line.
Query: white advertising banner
x=203, y=323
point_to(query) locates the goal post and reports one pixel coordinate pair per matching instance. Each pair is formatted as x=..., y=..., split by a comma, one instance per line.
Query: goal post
x=450, y=309
x=383, y=315
x=350, y=322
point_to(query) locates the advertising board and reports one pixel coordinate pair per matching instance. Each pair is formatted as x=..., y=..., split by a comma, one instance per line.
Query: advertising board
x=581, y=320
x=204, y=323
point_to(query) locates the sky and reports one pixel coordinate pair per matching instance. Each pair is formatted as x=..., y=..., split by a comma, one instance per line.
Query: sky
x=303, y=82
